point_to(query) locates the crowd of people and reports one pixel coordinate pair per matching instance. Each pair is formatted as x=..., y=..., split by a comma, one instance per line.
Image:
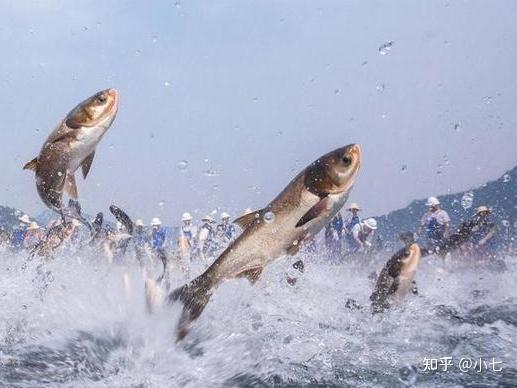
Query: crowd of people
x=351, y=235
x=346, y=235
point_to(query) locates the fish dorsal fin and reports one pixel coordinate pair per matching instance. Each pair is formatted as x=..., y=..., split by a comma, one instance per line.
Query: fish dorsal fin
x=70, y=187
x=87, y=163
x=251, y=274
x=320, y=208
x=32, y=165
x=246, y=220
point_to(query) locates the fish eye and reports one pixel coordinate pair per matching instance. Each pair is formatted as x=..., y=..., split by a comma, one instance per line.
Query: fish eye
x=101, y=99
x=347, y=160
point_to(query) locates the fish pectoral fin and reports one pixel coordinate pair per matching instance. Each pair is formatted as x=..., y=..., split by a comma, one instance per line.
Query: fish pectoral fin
x=252, y=274
x=86, y=164
x=70, y=187
x=32, y=165
x=317, y=210
x=246, y=220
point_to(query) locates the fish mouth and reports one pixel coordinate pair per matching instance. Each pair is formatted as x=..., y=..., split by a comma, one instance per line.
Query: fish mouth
x=354, y=150
x=114, y=96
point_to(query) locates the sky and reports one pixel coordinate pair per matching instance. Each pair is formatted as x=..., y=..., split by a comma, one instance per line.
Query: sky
x=248, y=93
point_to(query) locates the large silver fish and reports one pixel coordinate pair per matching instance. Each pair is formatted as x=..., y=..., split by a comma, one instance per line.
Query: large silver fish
x=72, y=145
x=300, y=211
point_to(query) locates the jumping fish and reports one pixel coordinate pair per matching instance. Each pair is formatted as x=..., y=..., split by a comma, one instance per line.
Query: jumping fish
x=70, y=146
x=300, y=211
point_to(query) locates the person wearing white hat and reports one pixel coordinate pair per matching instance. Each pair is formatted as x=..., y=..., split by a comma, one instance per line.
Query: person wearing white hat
x=225, y=230
x=188, y=230
x=206, y=237
x=435, y=222
x=158, y=235
x=351, y=220
x=362, y=234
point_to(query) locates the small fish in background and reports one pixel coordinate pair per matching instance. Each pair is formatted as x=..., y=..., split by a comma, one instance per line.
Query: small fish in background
x=397, y=278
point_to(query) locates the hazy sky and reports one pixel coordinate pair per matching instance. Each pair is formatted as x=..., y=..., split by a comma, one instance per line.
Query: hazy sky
x=256, y=90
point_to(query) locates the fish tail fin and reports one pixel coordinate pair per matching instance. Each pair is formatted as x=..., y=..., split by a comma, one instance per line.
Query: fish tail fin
x=32, y=165
x=194, y=297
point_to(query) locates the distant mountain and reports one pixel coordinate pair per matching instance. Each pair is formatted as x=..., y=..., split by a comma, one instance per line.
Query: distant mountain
x=500, y=195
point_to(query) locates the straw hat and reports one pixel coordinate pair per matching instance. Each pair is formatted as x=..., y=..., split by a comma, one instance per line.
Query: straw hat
x=483, y=208
x=33, y=226
x=139, y=222
x=156, y=221
x=354, y=206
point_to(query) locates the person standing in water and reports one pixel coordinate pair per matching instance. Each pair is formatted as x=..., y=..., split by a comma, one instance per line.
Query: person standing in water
x=351, y=220
x=482, y=241
x=206, y=237
x=18, y=236
x=435, y=223
x=362, y=234
x=333, y=236
x=158, y=235
x=226, y=229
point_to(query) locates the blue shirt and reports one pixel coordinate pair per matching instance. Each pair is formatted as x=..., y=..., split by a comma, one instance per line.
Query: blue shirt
x=158, y=238
x=18, y=237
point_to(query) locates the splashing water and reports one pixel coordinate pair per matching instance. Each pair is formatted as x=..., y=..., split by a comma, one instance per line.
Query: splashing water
x=89, y=327
x=183, y=165
x=269, y=217
x=386, y=47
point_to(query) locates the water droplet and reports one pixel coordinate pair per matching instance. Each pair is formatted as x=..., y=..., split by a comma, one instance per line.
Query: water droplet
x=457, y=126
x=506, y=178
x=384, y=116
x=137, y=53
x=166, y=83
x=268, y=217
x=161, y=203
x=210, y=172
x=380, y=87
x=364, y=63
x=85, y=28
x=408, y=375
x=386, y=47
x=487, y=100
x=337, y=91
x=255, y=99
x=59, y=173
x=279, y=132
x=467, y=200
x=154, y=39
x=505, y=223
x=404, y=168
x=182, y=165
x=177, y=4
